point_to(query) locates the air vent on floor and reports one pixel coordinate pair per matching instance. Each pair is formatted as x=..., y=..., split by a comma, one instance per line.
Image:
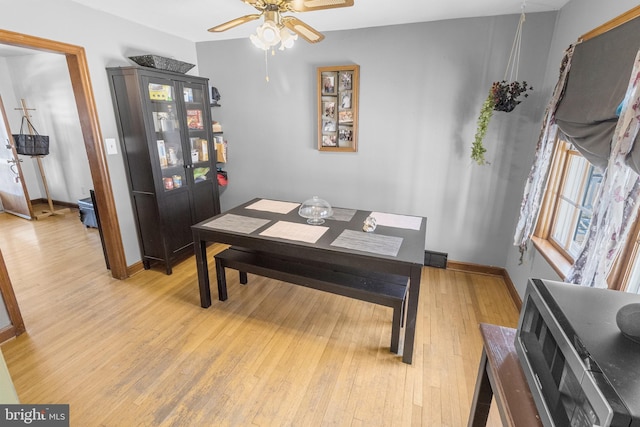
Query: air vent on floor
x=435, y=259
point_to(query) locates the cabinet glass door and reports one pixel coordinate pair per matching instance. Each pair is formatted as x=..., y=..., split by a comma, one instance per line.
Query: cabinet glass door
x=167, y=132
x=200, y=147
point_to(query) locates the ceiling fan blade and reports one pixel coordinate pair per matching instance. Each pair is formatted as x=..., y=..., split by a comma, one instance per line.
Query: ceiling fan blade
x=302, y=29
x=311, y=5
x=234, y=23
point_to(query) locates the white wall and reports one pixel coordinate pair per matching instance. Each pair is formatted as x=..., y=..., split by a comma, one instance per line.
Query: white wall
x=8, y=393
x=107, y=41
x=43, y=81
x=575, y=19
x=9, y=101
x=421, y=89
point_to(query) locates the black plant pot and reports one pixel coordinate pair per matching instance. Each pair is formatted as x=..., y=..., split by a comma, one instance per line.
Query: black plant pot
x=506, y=94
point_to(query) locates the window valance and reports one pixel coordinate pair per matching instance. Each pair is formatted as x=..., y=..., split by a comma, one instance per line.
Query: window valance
x=596, y=86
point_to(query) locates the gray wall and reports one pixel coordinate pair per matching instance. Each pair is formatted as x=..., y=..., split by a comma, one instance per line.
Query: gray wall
x=421, y=89
x=575, y=19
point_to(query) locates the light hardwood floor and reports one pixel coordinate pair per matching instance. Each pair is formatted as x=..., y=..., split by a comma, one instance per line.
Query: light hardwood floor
x=143, y=352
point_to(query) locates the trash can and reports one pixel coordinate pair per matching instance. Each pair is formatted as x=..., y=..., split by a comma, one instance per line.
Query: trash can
x=87, y=213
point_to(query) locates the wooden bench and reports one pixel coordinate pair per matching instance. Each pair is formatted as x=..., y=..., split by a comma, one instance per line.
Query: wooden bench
x=384, y=289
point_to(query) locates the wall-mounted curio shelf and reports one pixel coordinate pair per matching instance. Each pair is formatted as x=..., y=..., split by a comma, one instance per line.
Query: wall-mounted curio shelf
x=338, y=108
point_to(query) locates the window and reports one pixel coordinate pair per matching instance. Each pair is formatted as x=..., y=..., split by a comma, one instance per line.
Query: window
x=572, y=215
x=628, y=278
x=633, y=282
x=566, y=215
x=568, y=203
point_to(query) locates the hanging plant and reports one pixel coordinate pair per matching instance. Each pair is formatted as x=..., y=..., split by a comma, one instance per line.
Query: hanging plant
x=477, y=149
x=503, y=96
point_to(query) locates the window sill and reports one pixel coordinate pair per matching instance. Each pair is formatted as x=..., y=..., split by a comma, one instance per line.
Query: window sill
x=557, y=261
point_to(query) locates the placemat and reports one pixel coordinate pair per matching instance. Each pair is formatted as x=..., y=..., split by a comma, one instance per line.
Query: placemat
x=236, y=223
x=369, y=242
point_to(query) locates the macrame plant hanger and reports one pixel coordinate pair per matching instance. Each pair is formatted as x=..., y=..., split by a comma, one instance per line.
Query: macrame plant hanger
x=51, y=211
x=502, y=96
x=514, y=58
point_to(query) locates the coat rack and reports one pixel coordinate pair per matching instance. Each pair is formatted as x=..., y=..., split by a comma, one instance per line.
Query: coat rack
x=51, y=211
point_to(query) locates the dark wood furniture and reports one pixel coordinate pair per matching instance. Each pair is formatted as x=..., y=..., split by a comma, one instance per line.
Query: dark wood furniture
x=385, y=289
x=164, y=125
x=407, y=263
x=500, y=375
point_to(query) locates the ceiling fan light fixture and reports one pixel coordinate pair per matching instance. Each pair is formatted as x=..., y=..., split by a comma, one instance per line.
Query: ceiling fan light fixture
x=268, y=34
x=257, y=42
x=287, y=39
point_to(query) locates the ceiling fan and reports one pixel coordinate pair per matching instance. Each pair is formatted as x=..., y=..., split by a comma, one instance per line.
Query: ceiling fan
x=274, y=28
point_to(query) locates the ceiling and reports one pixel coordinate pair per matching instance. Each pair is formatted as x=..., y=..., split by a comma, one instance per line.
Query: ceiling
x=190, y=19
x=178, y=18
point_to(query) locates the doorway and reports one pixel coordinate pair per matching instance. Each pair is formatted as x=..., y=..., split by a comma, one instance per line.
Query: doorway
x=83, y=93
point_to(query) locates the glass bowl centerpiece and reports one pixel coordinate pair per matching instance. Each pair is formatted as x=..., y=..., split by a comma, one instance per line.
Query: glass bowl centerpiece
x=315, y=210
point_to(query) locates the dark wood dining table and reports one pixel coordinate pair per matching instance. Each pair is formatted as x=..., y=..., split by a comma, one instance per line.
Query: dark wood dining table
x=395, y=246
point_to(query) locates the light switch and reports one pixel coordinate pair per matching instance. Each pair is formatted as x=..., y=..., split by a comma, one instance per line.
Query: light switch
x=111, y=146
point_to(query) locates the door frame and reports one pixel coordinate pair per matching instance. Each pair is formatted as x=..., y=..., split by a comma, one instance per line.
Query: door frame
x=11, y=303
x=83, y=92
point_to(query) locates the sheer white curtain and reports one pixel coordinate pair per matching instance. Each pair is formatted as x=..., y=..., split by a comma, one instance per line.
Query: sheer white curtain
x=536, y=182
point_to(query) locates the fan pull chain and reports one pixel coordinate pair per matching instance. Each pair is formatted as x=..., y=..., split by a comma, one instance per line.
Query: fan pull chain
x=266, y=66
